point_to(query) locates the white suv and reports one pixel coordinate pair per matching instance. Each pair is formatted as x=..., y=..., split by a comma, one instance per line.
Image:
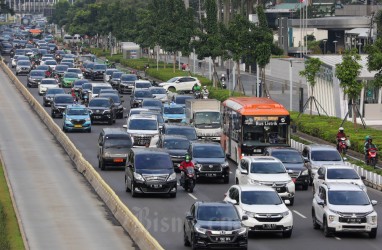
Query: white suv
x=268, y=171
x=180, y=83
x=337, y=173
x=343, y=207
x=142, y=128
x=265, y=209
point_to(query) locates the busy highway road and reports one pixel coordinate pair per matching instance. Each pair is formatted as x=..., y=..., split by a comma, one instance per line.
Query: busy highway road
x=164, y=216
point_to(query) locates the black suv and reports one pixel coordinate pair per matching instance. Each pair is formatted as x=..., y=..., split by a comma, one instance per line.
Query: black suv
x=87, y=68
x=115, y=79
x=35, y=77
x=117, y=102
x=209, y=160
x=180, y=129
x=97, y=71
x=138, y=96
x=150, y=171
x=49, y=95
x=102, y=109
x=59, y=103
x=293, y=162
x=215, y=225
x=126, y=84
x=114, y=146
x=176, y=145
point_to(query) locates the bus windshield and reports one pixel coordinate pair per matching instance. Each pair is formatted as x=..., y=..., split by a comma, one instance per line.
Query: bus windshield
x=257, y=129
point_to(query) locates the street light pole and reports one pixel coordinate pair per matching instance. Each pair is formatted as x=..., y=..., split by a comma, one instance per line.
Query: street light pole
x=359, y=47
x=335, y=46
x=290, y=85
x=325, y=40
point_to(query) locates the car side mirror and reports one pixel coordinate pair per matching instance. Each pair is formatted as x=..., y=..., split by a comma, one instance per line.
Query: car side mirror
x=290, y=171
x=124, y=125
x=287, y=202
x=374, y=202
x=345, y=159
x=321, y=203
x=244, y=217
x=306, y=160
x=64, y=113
x=363, y=178
x=321, y=177
x=189, y=217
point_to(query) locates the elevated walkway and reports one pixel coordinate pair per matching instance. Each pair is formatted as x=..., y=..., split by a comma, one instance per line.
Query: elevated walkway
x=334, y=23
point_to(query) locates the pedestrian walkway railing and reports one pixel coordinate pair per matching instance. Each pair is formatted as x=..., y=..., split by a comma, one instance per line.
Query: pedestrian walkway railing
x=372, y=179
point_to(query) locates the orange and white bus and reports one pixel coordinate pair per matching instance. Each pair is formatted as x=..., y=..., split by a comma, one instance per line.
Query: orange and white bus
x=251, y=123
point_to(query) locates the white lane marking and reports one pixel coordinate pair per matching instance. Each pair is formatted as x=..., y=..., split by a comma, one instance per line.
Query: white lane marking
x=192, y=196
x=337, y=238
x=299, y=214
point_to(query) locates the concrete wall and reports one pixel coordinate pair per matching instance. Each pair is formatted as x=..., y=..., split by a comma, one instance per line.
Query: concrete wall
x=357, y=10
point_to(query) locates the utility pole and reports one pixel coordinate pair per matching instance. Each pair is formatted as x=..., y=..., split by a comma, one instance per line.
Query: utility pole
x=110, y=44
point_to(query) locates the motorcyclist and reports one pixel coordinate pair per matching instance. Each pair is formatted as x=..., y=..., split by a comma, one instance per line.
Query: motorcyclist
x=195, y=88
x=340, y=134
x=183, y=166
x=222, y=78
x=368, y=145
x=205, y=90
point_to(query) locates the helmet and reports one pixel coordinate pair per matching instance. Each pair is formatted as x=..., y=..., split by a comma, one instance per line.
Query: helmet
x=222, y=75
x=204, y=87
x=187, y=158
x=370, y=138
x=341, y=129
x=106, y=60
x=367, y=137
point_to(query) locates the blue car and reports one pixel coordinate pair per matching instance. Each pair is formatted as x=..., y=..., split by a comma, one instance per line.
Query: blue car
x=76, y=118
x=174, y=113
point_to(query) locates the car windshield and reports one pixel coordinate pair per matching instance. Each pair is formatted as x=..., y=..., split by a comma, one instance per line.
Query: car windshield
x=37, y=73
x=55, y=91
x=77, y=84
x=158, y=91
x=24, y=63
x=207, y=151
x=109, y=72
x=77, y=112
x=117, y=74
x=174, y=79
x=190, y=133
x=151, y=103
x=129, y=78
x=77, y=71
x=145, y=161
x=62, y=67
x=288, y=156
x=70, y=75
x=325, y=155
x=97, y=89
x=115, y=98
x=86, y=86
x=173, y=110
x=182, y=100
x=43, y=67
x=143, y=124
x=260, y=198
x=176, y=144
x=143, y=85
x=99, y=103
x=217, y=213
x=118, y=143
x=51, y=62
x=348, y=198
x=64, y=99
x=342, y=173
x=145, y=94
x=202, y=118
x=100, y=67
x=49, y=81
x=267, y=168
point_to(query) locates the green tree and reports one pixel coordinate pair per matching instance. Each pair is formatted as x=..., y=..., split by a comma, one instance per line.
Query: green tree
x=60, y=14
x=5, y=8
x=347, y=72
x=374, y=61
x=210, y=43
x=312, y=67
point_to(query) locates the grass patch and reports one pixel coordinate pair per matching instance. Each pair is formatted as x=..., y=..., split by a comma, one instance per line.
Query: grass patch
x=10, y=236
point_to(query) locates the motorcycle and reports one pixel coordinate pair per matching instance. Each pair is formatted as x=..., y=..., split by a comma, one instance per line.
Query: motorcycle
x=189, y=179
x=205, y=95
x=371, y=158
x=224, y=86
x=197, y=94
x=342, y=145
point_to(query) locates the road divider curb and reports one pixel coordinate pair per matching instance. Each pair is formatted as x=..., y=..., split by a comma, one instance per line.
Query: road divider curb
x=121, y=212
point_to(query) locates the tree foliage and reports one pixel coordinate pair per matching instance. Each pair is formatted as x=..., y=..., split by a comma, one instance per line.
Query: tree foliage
x=374, y=61
x=312, y=67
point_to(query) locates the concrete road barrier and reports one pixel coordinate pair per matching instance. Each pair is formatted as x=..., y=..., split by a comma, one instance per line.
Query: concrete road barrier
x=126, y=218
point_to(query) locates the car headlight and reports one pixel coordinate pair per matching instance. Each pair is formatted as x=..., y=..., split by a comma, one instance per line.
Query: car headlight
x=333, y=211
x=284, y=214
x=87, y=119
x=331, y=218
x=254, y=182
x=250, y=214
x=305, y=172
x=241, y=231
x=200, y=230
x=225, y=164
x=67, y=119
x=199, y=165
x=373, y=219
x=138, y=177
x=172, y=177
x=106, y=111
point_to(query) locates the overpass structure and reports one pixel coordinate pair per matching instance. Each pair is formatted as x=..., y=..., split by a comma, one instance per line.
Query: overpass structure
x=31, y=6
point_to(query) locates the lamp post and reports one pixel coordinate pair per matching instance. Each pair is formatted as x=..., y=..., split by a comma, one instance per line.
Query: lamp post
x=335, y=46
x=359, y=47
x=325, y=40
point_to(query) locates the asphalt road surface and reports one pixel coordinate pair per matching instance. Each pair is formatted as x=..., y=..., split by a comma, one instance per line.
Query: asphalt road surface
x=57, y=207
x=164, y=216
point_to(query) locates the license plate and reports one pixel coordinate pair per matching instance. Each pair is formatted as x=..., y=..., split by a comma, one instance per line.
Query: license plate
x=156, y=186
x=224, y=239
x=269, y=226
x=97, y=117
x=78, y=126
x=118, y=160
x=354, y=220
x=210, y=175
